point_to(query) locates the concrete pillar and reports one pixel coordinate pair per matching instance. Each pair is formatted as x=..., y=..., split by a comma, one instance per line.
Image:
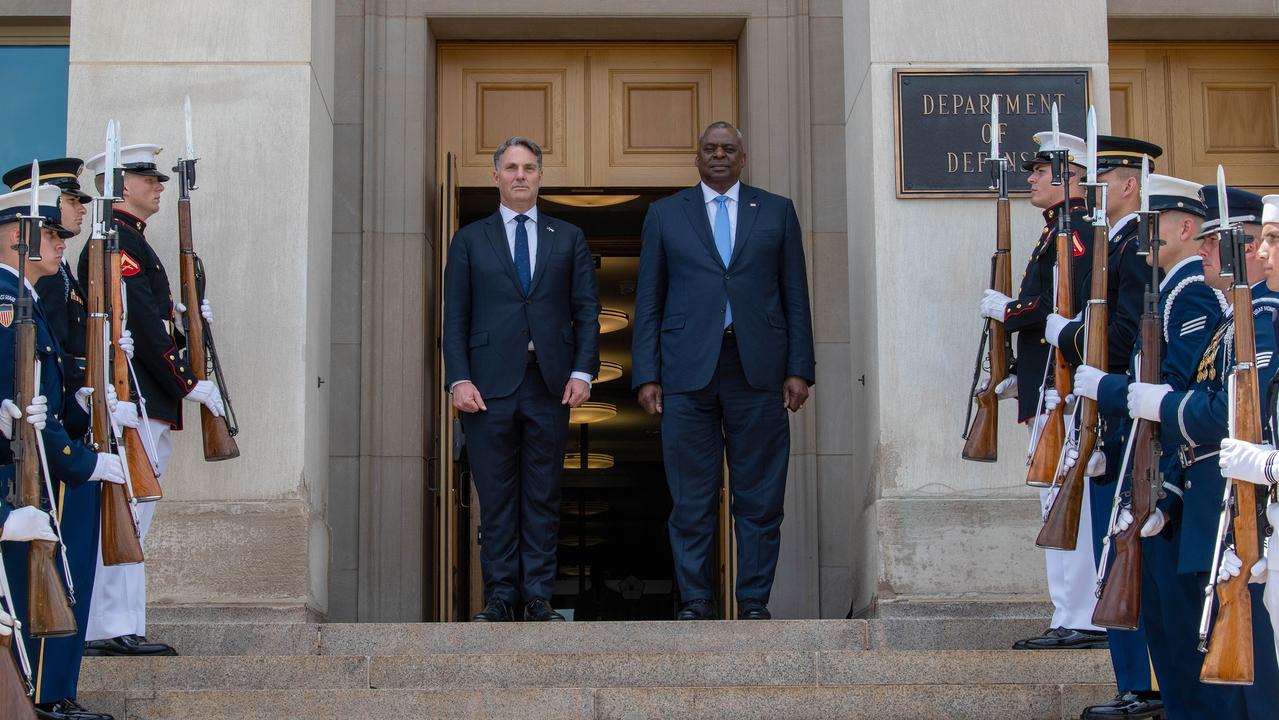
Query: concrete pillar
x=248, y=531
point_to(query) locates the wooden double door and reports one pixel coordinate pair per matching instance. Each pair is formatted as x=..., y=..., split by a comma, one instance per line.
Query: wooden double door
x=1205, y=104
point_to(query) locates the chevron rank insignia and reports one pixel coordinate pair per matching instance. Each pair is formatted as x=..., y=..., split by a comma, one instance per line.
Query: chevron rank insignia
x=128, y=266
x=1076, y=247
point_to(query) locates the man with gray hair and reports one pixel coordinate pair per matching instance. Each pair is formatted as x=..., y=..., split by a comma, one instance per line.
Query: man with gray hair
x=521, y=347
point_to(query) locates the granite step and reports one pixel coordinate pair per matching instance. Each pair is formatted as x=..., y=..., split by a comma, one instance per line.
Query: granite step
x=890, y=633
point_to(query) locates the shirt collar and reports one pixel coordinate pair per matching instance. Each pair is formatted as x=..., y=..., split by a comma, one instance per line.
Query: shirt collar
x=1123, y=223
x=1076, y=203
x=129, y=218
x=30, y=289
x=508, y=214
x=709, y=195
x=1185, y=262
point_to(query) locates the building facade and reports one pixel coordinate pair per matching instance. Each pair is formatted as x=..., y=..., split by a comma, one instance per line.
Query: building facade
x=341, y=141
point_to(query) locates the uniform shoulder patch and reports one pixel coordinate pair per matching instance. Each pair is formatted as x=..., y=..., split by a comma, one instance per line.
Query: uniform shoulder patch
x=128, y=266
x=6, y=314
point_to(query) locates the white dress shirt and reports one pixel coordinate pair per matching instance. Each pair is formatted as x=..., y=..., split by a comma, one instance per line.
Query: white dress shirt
x=712, y=208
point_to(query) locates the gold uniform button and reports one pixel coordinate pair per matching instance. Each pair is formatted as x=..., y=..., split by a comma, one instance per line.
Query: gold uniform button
x=66, y=450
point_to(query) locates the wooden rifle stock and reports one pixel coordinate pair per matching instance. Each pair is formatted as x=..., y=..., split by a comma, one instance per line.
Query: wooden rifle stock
x=1229, y=660
x=1047, y=455
x=145, y=484
x=218, y=443
x=982, y=438
x=1061, y=527
x=15, y=704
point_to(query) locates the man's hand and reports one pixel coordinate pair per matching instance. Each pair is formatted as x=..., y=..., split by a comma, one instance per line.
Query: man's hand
x=650, y=398
x=1154, y=524
x=576, y=392
x=1054, y=324
x=466, y=398
x=1005, y=390
x=1144, y=400
x=108, y=469
x=8, y=413
x=1245, y=461
x=795, y=393
x=207, y=394
x=28, y=523
x=125, y=343
x=994, y=305
x=37, y=412
x=1087, y=379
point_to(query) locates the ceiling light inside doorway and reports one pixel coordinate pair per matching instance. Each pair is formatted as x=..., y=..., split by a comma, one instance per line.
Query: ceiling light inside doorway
x=592, y=412
x=609, y=370
x=589, y=201
x=613, y=320
x=594, y=461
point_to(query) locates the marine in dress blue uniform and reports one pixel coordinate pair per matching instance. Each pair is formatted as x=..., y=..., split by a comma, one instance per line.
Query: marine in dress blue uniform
x=1191, y=310
x=1119, y=165
x=72, y=464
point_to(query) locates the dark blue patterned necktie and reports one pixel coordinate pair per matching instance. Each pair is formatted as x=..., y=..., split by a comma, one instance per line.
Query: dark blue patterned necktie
x=522, y=264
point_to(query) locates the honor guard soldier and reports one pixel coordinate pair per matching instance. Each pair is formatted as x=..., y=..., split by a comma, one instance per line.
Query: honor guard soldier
x=1196, y=421
x=1259, y=464
x=1069, y=572
x=55, y=662
x=1119, y=167
x=1172, y=579
x=117, y=617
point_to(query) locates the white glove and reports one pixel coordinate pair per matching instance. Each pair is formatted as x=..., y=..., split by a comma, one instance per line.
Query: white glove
x=126, y=415
x=1052, y=399
x=82, y=397
x=1245, y=461
x=125, y=343
x=38, y=411
x=6, y=623
x=109, y=469
x=1144, y=400
x=8, y=413
x=1096, y=463
x=206, y=393
x=112, y=399
x=1153, y=525
x=994, y=305
x=1231, y=564
x=206, y=311
x=1087, y=379
x=1005, y=390
x=28, y=523
x=1054, y=325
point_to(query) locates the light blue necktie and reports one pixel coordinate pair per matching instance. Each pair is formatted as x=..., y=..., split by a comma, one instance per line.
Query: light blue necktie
x=523, y=264
x=724, y=243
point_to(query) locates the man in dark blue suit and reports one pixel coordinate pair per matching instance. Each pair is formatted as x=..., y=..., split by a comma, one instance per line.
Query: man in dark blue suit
x=521, y=346
x=723, y=346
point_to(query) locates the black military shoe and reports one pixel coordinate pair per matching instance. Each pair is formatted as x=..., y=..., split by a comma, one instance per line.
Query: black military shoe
x=127, y=646
x=753, y=610
x=539, y=610
x=495, y=611
x=1065, y=639
x=696, y=610
x=67, y=710
x=1127, y=706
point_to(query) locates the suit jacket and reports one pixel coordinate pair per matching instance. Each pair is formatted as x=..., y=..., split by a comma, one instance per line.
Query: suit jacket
x=64, y=307
x=488, y=322
x=684, y=287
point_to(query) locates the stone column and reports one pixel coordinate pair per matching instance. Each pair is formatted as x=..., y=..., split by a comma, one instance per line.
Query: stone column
x=916, y=270
x=248, y=531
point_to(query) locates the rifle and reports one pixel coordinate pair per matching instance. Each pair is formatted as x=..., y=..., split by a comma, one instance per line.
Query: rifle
x=983, y=435
x=219, y=432
x=17, y=692
x=49, y=603
x=120, y=534
x=1119, y=587
x=1049, y=443
x=1061, y=527
x=1229, y=659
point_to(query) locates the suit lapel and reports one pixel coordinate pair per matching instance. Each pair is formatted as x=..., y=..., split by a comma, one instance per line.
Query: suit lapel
x=545, y=238
x=695, y=208
x=747, y=211
x=497, y=240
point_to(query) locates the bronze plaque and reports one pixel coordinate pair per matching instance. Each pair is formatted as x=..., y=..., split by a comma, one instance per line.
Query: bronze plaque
x=943, y=129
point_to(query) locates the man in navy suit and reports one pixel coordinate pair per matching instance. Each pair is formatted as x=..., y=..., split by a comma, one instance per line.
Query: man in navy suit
x=521, y=346
x=723, y=346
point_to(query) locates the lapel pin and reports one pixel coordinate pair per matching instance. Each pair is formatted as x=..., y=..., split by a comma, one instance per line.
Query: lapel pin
x=550, y=229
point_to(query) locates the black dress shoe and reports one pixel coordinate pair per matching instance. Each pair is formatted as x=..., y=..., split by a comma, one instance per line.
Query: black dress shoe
x=1065, y=639
x=539, y=610
x=696, y=610
x=127, y=646
x=753, y=610
x=495, y=611
x=67, y=710
x=1127, y=706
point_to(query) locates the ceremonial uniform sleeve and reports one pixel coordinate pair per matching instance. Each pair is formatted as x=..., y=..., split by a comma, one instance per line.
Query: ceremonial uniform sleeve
x=1194, y=417
x=154, y=347
x=1189, y=325
x=74, y=418
x=1112, y=394
x=1071, y=342
x=650, y=299
x=1028, y=311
